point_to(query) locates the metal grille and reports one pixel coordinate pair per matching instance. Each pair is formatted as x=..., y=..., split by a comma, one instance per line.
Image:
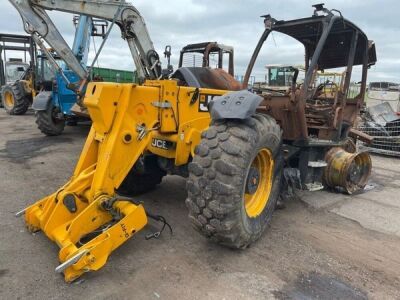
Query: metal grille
x=192, y=60
x=386, y=137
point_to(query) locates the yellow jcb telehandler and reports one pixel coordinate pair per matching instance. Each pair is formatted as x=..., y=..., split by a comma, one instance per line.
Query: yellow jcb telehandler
x=235, y=147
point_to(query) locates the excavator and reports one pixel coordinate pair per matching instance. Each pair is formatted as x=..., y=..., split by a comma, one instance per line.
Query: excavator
x=236, y=148
x=53, y=112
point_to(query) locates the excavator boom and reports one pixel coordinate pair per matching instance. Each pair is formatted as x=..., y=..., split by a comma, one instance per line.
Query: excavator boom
x=133, y=28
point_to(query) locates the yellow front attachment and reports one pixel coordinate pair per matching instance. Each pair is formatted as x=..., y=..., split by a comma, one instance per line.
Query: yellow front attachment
x=85, y=217
x=76, y=217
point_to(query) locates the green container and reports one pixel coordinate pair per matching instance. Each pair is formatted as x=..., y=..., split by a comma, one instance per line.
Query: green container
x=111, y=75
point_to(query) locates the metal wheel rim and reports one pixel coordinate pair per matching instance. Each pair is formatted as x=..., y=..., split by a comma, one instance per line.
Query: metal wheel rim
x=9, y=99
x=256, y=202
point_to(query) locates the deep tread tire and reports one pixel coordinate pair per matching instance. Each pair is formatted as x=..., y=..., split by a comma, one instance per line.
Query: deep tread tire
x=21, y=101
x=142, y=181
x=47, y=124
x=218, y=175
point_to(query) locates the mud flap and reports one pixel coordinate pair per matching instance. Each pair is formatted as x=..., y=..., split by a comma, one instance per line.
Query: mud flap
x=42, y=101
x=235, y=105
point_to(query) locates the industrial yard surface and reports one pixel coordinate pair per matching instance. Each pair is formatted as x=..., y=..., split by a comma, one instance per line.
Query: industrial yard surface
x=325, y=244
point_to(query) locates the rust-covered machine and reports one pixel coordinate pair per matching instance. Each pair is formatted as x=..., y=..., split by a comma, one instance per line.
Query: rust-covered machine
x=208, y=64
x=235, y=147
x=208, y=54
x=313, y=124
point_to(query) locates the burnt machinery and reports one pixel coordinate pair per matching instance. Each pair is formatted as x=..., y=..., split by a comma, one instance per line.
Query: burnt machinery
x=312, y=125
x=235, y=147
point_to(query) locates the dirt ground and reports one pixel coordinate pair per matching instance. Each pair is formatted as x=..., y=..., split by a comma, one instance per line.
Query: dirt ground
x=310, y=251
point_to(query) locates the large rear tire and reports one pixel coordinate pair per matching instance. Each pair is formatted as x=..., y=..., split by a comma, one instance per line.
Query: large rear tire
x=234, y=180
x=49, y=122
x=14, y=100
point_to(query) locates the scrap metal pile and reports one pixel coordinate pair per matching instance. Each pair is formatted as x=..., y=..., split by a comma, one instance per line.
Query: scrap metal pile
x=383, y=125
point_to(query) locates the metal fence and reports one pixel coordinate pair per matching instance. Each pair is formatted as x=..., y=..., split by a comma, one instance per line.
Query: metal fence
x=386, y=137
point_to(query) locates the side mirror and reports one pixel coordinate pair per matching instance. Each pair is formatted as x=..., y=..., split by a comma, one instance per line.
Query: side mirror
x=170, y=69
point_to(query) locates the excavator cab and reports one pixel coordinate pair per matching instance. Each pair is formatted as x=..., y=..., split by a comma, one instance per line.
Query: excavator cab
x=45, y=72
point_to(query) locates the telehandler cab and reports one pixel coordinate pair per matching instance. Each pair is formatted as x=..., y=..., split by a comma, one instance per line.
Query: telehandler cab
x=232, y=146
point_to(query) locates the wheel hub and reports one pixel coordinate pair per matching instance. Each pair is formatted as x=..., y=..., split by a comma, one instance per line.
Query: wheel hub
x=253, y=180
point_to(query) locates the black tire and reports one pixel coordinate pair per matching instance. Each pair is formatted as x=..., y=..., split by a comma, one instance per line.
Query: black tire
x=48, y=122
x=143, y=177
x=218, y=177
x=20, y=102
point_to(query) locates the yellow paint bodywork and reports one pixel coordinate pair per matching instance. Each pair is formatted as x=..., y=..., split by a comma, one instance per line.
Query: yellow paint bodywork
x=126, y=118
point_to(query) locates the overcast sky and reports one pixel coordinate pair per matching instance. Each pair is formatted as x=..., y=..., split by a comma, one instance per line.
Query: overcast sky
x=238, y=23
